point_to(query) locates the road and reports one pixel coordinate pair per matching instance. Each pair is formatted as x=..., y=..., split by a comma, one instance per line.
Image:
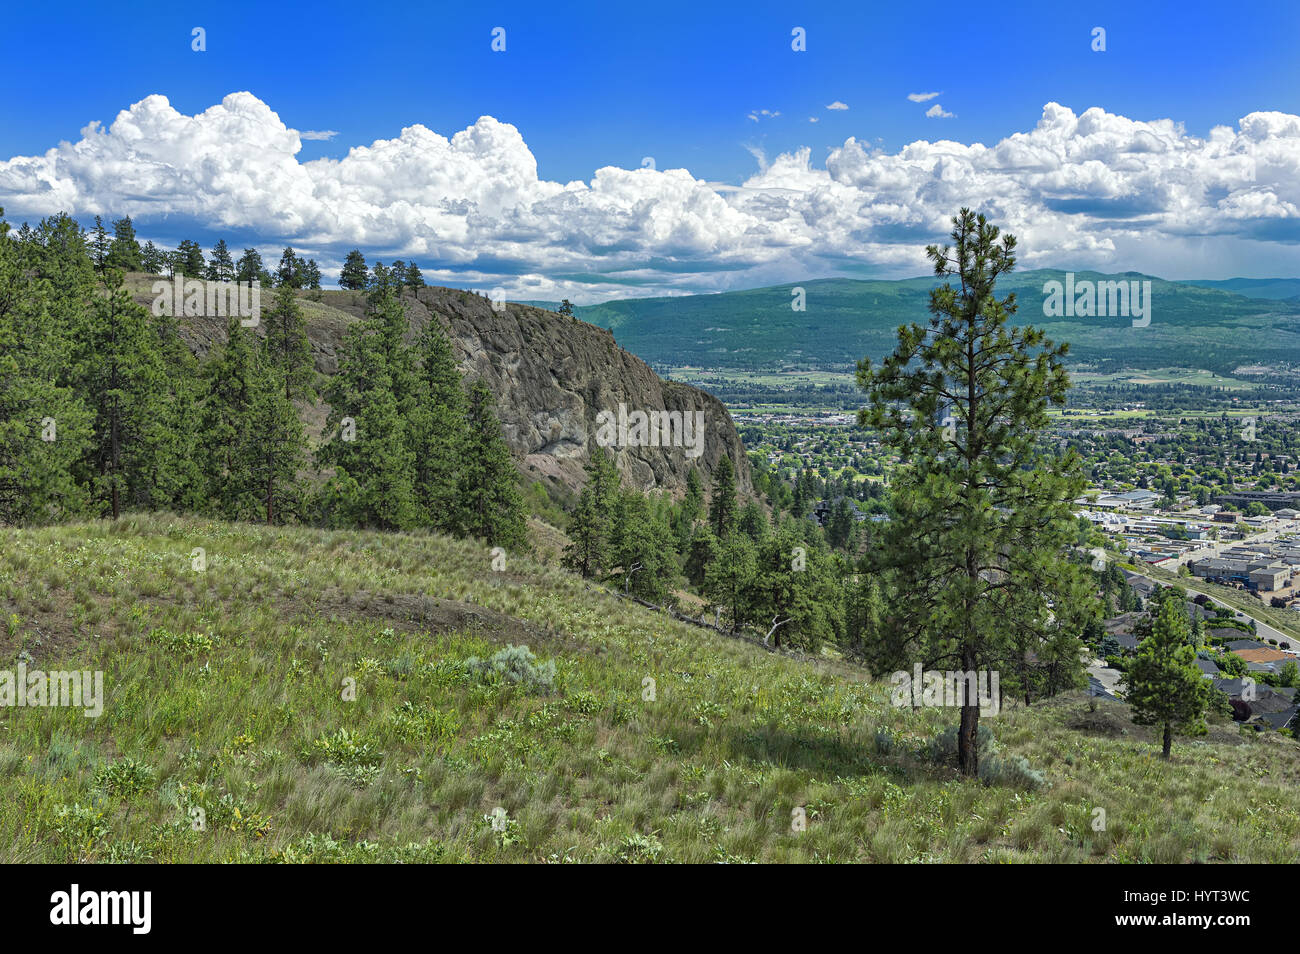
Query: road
x=1262, y=629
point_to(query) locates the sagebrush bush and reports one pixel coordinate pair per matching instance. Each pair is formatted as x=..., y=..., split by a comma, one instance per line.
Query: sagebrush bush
x=515, y=664
x=1013, y=771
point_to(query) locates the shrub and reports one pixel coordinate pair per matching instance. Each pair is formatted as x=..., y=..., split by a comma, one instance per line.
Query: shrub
x=515, y=664
x=1013, y=771
x=943, y=747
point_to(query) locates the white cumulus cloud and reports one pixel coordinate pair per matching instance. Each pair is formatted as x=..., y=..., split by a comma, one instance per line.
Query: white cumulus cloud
x=1092, y=190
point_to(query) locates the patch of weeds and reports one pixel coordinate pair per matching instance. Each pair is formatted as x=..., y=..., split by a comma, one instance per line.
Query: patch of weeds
x=638, y=849
x=352, y=757
x=125, y=778
x=423, y=724
x=181, y=644
x=79, y=829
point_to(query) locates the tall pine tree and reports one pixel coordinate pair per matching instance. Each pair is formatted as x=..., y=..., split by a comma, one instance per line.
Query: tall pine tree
x=491, y=505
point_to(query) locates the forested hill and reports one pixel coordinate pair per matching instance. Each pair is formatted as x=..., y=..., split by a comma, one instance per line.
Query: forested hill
x=846, y=319
x=550, y=374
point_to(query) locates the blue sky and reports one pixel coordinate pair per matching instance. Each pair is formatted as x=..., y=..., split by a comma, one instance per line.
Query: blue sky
x=606, y=85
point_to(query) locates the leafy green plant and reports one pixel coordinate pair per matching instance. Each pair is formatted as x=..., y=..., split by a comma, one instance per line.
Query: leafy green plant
x=181, y=644
x=124, y=778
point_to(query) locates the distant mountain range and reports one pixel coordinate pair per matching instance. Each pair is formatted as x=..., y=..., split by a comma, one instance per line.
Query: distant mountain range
x=1271, y=288
x=1214, y=325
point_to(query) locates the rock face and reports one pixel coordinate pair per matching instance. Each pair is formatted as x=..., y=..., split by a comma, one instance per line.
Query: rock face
x=551, y=375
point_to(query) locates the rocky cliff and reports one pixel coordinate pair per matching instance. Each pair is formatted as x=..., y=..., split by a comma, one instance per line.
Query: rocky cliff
x=552, y=375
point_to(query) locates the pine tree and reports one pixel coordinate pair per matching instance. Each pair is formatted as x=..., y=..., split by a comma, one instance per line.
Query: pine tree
x=124, y=251
x=863, y=610
x=226, y=430
x=389, y=315
x=414, y=277
x=701, y=552
x=982, y=519
x=152, y=259
x=729, y=580
x=590, y=526
x=221, y=267
x=795, y=596
x=438, y=432
x=188, y=259
x=688, y=511
x=310, y=274
x=289, y=272
x=722, y=506
x=491, y=505
x=99, y=245
x=60, y=256
x=642, y=548
x=1164, y=687
x=288, y=347
x=250, y=267
x=374, y=471
x=752, y=522
x=279, y=451
x=44, y=427
x=354, y=275
x=122, y=377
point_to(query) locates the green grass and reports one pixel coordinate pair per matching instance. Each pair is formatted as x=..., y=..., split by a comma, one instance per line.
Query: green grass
x=225, y=700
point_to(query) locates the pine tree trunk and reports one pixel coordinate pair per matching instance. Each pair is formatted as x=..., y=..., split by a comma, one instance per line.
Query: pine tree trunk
x=1169, y=739
x=968, y=757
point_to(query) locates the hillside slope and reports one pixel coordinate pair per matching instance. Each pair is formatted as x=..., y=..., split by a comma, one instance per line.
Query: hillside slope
x=846, y=320
x=228, y=702
x=551, y=376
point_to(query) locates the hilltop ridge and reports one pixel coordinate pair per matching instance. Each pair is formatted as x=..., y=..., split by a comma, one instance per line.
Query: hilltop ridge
x=551, y=375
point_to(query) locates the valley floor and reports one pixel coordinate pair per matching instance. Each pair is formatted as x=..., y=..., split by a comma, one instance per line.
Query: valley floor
x=305, y=697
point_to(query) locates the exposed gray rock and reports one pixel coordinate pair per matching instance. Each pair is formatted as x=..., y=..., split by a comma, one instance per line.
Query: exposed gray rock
x=551, y=375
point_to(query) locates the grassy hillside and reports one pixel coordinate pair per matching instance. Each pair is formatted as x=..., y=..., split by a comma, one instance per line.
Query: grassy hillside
x=848, y=319
x=224, y=693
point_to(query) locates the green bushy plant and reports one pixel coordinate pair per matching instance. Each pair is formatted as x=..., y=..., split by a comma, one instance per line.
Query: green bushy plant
x=514, y=664
x=1013, y=771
